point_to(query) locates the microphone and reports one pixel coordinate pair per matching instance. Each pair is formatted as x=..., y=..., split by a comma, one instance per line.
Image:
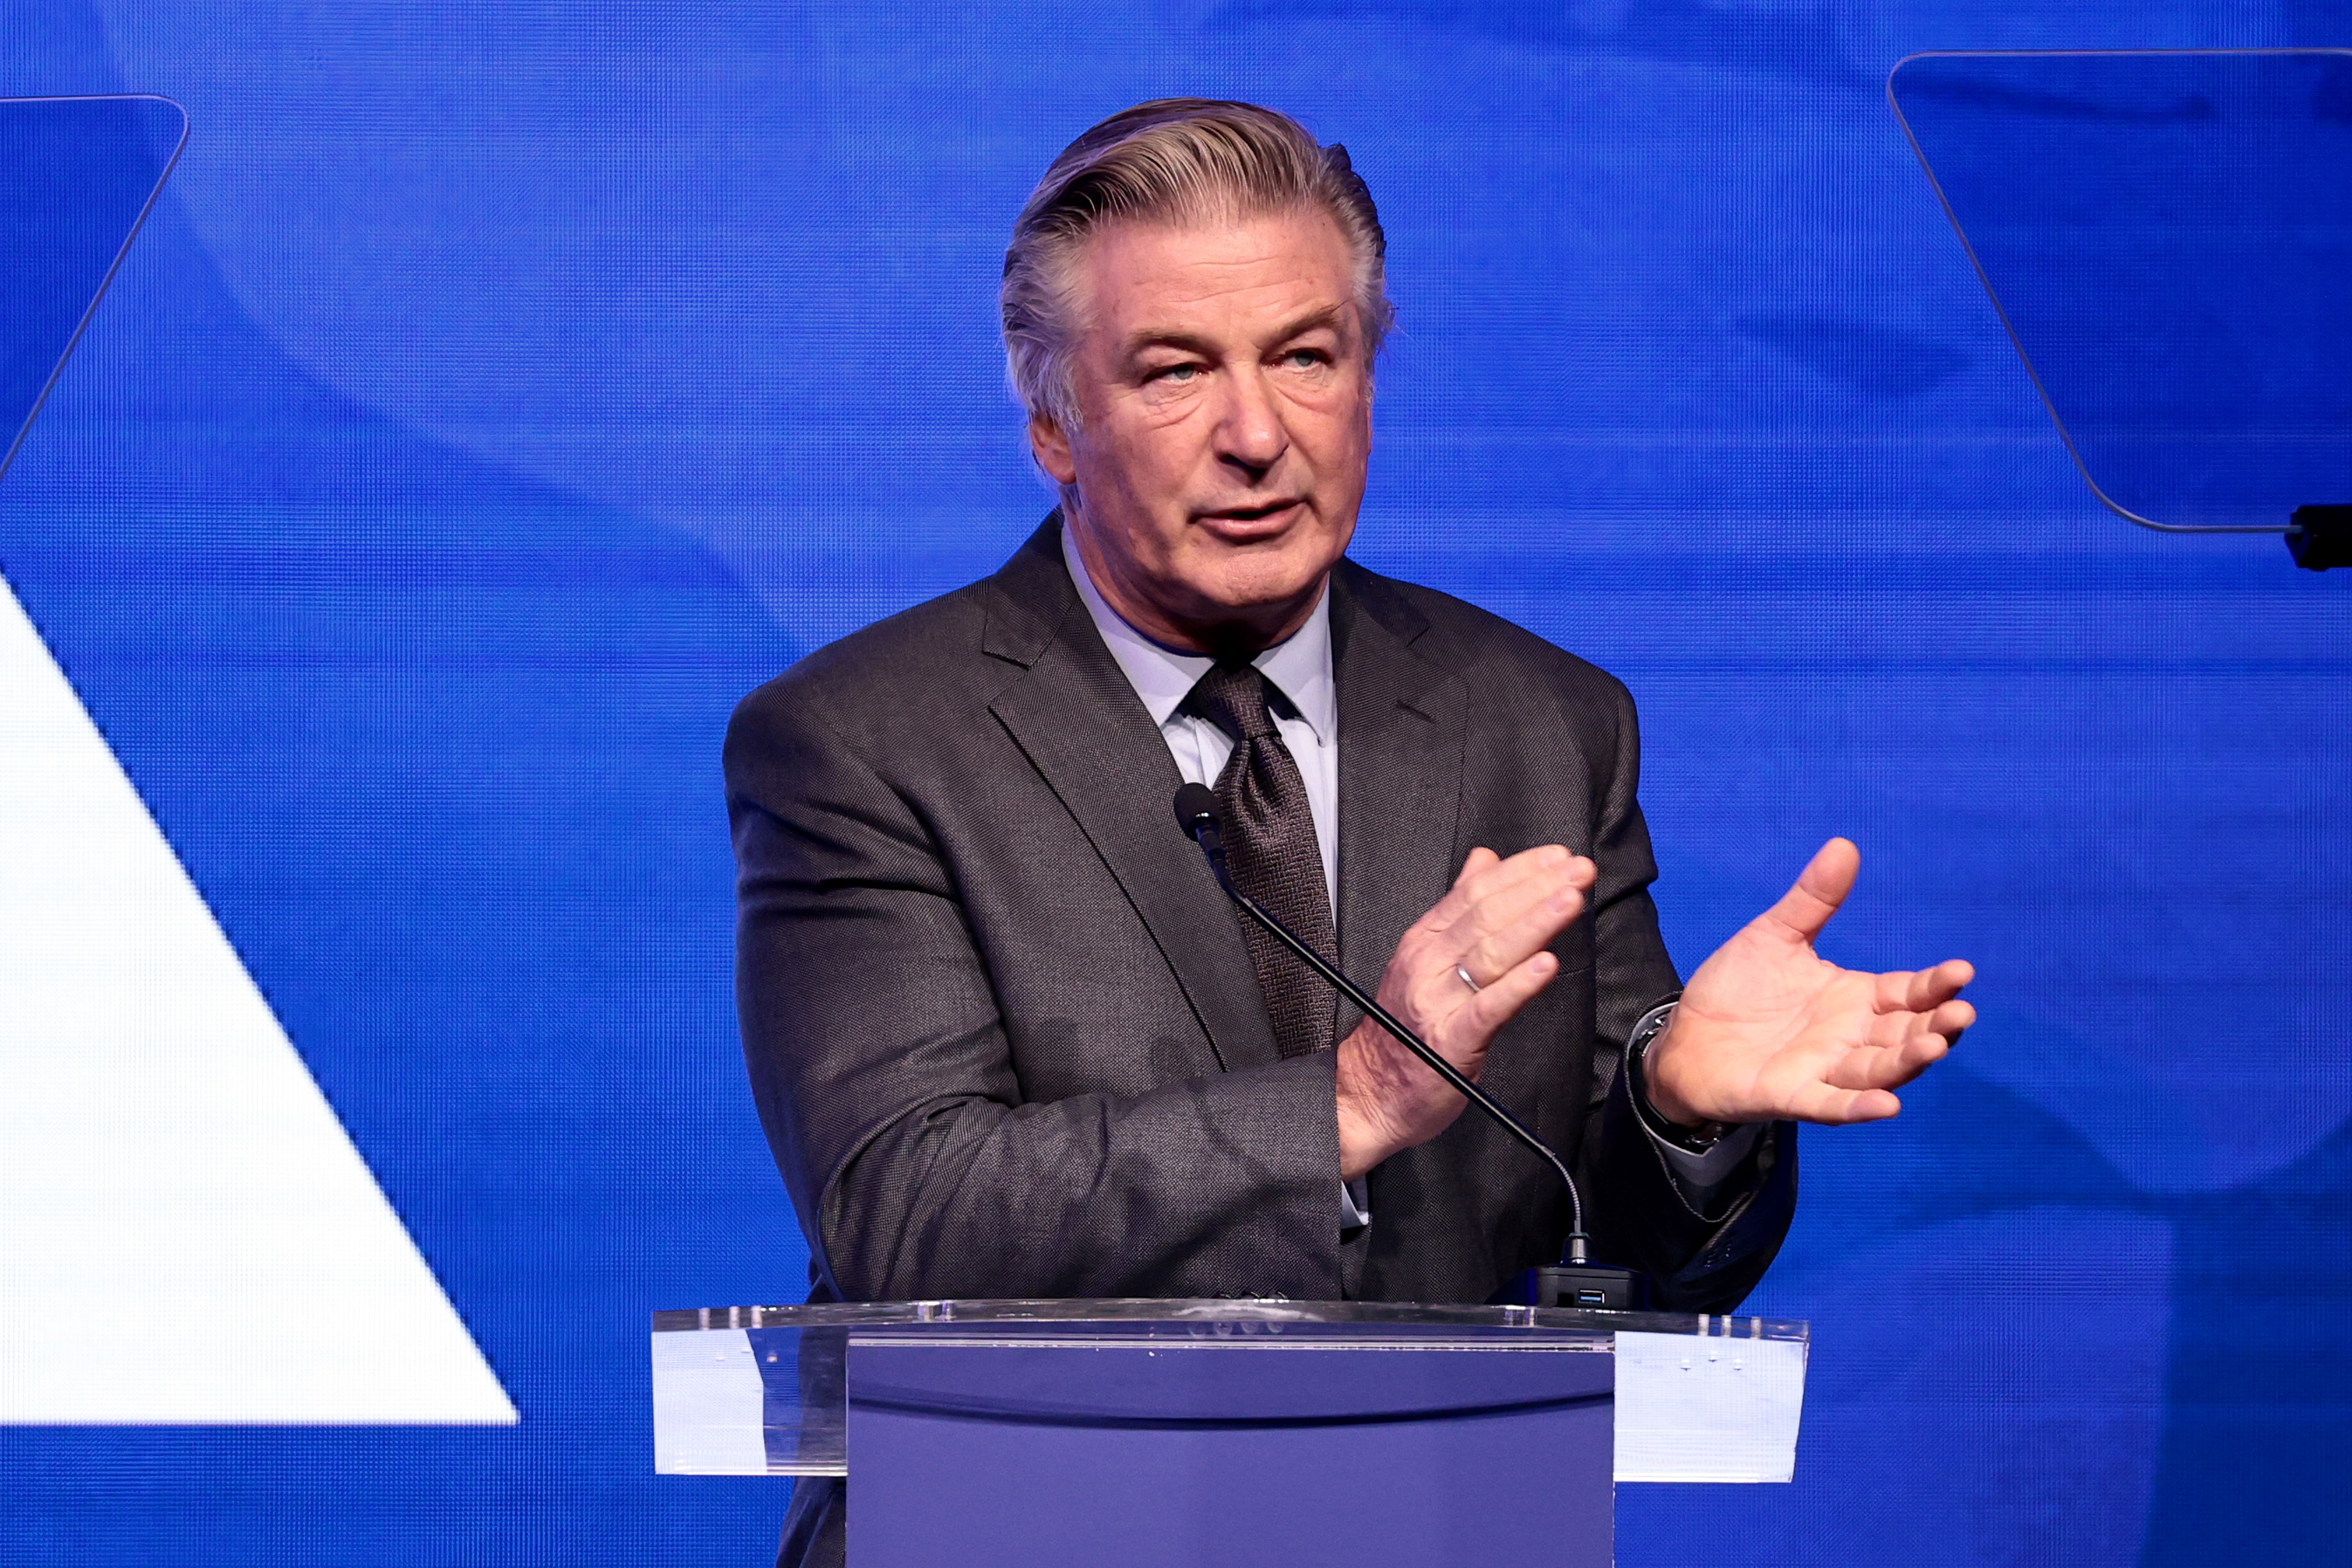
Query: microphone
x=1576, y=1280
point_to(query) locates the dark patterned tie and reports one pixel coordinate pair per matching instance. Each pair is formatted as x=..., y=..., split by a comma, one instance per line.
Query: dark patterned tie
x=1271, y=852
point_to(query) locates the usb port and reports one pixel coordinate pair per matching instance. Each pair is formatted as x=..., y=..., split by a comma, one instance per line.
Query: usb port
x=1591, y=1297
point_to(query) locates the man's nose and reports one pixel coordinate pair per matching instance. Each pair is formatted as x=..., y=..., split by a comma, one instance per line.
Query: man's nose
x=1250, y=433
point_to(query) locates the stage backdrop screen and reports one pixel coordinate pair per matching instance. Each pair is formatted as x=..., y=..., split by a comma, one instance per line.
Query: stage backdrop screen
x=496, y=393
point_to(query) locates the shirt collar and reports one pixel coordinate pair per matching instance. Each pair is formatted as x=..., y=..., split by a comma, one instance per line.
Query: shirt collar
x=1299, y=667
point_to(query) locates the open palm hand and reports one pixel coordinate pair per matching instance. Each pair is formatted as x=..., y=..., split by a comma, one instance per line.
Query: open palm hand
x=1768, y=1030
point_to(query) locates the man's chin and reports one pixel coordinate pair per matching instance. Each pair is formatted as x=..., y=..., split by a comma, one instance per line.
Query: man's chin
x=1264, y=602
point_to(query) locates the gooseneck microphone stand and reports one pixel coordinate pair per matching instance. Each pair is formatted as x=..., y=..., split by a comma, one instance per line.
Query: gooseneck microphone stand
x=1576, y=1282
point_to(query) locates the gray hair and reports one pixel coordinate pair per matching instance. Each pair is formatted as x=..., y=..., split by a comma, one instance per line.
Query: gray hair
x=1173, y=160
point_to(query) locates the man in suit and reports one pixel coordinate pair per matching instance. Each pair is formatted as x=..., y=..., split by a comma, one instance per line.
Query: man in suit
x=1008, y=1037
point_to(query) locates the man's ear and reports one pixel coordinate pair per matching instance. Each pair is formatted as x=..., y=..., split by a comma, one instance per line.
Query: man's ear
x=1051, y=447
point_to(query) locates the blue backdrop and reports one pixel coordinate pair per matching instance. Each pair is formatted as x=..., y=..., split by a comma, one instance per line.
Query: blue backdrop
x=497, y=393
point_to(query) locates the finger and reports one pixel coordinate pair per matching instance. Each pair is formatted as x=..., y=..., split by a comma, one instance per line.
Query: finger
x=1482, y=874
x=1533, y=911
x=1888, y=1068
x=1819, y=889
x=1492, y=1006
x=1506, y=903
x=1480, y=859
x=1902, y=1048
x=1545, y=860
x=1932, y=987
x=1842, y=1106
x=1898, y=1031
x=1457, y=898
x=1501, y=892
x=1512, y=943
x=1919, y=991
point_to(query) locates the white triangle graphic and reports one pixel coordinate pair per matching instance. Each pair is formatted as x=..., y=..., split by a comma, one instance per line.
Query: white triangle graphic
x=186, y=1235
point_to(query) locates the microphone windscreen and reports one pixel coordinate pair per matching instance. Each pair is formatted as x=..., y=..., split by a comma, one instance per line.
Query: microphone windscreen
x=1196, y=807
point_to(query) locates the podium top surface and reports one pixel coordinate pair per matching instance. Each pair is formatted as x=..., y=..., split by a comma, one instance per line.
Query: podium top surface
x=766, y=1390
x=1333, y=1320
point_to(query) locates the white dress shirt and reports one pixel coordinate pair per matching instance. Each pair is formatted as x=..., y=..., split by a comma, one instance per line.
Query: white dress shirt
x=1306, y=715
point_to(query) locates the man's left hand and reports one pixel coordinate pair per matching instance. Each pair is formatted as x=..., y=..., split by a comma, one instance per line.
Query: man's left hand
x=1768, y=1030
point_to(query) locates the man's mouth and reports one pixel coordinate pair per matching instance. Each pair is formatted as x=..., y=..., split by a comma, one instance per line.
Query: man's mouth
x=1245, y=519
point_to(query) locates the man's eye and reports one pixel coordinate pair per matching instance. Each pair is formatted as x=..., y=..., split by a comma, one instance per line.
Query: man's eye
x=1302, y=359
x=1175, y=372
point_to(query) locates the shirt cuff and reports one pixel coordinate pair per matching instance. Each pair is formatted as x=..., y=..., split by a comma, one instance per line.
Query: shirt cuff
x=1701, y=1176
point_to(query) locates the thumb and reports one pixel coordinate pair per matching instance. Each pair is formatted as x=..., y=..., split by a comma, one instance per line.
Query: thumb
x=1821, y=887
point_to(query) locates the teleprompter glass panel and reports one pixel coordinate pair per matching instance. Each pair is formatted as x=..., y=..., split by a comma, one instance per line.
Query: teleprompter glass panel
x=2167, y=236
x=76, y=176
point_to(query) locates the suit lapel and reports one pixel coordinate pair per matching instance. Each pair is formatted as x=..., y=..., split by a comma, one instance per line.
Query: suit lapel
x=1078, y=721
x=1401, y=722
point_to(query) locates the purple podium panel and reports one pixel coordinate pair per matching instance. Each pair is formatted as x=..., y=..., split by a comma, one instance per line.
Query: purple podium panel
x=994, y=1452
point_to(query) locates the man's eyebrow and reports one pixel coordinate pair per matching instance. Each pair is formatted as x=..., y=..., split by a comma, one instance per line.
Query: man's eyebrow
x=1166, y=338
x=1172, y=338
x=1324, y=316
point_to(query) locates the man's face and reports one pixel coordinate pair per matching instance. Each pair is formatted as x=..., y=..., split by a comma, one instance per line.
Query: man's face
x=1224, y=398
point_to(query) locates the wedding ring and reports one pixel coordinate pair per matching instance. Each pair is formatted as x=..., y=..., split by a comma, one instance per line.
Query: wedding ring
x=1464, y=975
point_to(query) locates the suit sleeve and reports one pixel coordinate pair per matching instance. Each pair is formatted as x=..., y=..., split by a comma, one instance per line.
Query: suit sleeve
x=884, y=1075
x=1637, y=1213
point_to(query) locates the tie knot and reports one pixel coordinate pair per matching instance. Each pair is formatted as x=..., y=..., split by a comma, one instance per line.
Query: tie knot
x=1233, y=697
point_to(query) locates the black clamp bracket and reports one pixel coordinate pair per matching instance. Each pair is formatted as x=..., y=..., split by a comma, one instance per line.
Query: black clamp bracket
x=2321, y=537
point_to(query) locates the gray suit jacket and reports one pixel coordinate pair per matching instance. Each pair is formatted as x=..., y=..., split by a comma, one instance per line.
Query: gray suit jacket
x=1006, y=1040
x=1004, y=1032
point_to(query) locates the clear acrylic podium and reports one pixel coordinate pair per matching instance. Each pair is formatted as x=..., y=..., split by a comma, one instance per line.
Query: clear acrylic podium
x=1158, y=1433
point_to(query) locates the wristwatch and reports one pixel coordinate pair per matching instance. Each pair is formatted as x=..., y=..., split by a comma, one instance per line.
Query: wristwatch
x=1697, y=1140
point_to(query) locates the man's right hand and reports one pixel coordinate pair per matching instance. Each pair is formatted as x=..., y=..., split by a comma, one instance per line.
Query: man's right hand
x=1496, y=924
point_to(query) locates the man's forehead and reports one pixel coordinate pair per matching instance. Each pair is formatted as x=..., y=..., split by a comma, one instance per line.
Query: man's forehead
x=1149, y=281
